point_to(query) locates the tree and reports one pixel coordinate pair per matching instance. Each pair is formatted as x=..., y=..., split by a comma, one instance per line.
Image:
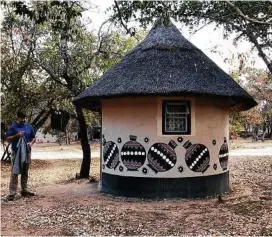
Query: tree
x=236, y=125
x=259, y=84
x=69, y=56
x=23, y=85
x=73, y=63
x=250, y=20
x=252, y=117
x=246, y=120
x=60, y=19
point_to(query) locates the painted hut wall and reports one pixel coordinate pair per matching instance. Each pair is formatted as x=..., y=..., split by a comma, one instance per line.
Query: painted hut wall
x=142, y=117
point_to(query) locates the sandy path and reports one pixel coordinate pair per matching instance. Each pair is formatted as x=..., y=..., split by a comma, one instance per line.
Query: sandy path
x=48, y=155
x=61, y=155
x=96, y=154
x=267, y=151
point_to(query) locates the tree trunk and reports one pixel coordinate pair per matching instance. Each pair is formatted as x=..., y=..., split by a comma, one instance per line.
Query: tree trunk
x=266, y=60
x=253, y=39
x=246, y=131
x=38, y=123
x=68, y=132
x=86, y=161
x=6, y=155
x=270, y=129
x=41, y=114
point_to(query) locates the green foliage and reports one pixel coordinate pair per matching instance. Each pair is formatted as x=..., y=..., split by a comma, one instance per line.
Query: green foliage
x=48, y=57
x=258, y=83
x=236, y=123
x=193, y=13
x=251, y=20
x=114, y=48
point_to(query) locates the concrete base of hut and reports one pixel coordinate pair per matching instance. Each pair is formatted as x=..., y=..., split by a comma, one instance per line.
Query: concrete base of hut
x=191, y=187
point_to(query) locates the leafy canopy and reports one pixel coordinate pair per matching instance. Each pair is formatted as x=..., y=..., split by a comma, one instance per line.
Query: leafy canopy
x=250, y=20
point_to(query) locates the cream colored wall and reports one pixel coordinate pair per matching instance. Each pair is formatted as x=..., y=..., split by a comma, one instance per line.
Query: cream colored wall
x=142, y=117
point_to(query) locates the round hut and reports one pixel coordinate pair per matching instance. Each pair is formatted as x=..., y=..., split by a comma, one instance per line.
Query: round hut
x=165, y=119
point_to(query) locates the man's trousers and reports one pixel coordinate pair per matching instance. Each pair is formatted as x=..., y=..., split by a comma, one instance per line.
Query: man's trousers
x=13, y=184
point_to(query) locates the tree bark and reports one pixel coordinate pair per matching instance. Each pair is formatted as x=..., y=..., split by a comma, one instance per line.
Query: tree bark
x=86, y=161
x=254, y=40
x=6, y=155
x=38, y=123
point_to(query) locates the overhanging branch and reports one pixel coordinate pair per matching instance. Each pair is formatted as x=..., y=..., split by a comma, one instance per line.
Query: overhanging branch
x=240, y=13
x=51, y=74
x=123, y=24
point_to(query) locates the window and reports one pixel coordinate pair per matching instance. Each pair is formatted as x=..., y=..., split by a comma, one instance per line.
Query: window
x=176, y=117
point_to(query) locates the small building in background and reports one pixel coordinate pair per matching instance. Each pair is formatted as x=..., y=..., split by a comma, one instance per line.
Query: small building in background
x=165, y=119
x=45, y=138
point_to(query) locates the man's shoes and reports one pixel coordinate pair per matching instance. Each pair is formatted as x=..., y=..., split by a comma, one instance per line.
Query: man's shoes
x=27, y=194
x=10, y=197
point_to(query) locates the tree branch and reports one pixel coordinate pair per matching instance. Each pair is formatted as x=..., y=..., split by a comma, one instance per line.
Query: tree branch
x=254, y=40
x=42, y=120
x=123, y=24
x=238, y=37
x=51, y=74
x=200, y=28
x=10, y=34
x=260, y=50
x=87, y=66
x=100, y=50
x=100, y=28
x=240, y=13
x=21, y=71
x=41, y=113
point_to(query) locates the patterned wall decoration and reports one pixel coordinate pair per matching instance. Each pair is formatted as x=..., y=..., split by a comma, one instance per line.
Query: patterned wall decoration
x=197, y=157
x=162, y=157
x=180, y=169
x=145, y=170
x=133, y=154
x=180, y=139
x=110, y=154
x=224, y=155
x=146, y=139
x=121, y=168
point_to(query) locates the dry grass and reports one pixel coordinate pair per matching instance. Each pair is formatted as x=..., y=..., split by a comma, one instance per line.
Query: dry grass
x=241, y=143
x=48, y=172
x=65, y=206
x=74, y=146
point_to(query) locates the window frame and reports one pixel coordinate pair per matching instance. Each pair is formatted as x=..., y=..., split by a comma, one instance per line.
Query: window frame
x=189, y=120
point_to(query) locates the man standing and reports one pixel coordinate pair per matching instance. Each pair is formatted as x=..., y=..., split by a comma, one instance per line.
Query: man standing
x=15, y=132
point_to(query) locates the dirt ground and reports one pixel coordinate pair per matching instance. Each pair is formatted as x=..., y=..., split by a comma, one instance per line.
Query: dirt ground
x=66, y=206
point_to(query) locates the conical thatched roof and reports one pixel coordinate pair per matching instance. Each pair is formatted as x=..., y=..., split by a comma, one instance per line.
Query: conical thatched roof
x=165, y=63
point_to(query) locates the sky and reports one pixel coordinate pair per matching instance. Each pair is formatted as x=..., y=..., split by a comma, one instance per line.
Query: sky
x=206, y=39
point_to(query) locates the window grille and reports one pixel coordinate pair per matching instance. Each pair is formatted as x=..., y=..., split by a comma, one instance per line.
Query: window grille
x=176, y=117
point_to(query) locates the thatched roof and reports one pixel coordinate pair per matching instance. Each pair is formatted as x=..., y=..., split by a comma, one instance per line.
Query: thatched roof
x=165, y=63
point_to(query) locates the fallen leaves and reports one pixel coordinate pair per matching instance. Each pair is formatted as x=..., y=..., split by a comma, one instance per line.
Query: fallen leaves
x=66, y=206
